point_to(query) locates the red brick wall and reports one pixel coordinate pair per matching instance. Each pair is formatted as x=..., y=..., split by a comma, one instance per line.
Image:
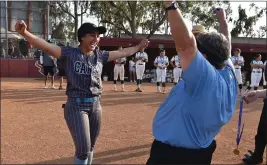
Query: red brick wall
x=19, y=68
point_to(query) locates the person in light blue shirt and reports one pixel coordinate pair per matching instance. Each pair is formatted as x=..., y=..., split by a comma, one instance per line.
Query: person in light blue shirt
x=187, y=122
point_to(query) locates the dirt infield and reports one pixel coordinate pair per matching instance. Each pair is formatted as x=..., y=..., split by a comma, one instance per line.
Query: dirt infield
x=33, y=129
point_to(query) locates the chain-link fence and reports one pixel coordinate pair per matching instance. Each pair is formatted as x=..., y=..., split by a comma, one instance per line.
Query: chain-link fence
x=11, y=46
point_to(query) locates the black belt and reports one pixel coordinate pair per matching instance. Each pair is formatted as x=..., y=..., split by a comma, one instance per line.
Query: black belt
x=256, y=71
x=140, y=64
x=237, y=68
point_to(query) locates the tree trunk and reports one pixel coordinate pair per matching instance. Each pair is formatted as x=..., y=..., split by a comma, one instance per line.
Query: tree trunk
x=166, y=27
x=133, y=21
x=81, y=15
x=75, y=21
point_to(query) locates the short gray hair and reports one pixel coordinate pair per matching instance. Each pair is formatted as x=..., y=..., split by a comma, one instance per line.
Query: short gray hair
x=215, y=46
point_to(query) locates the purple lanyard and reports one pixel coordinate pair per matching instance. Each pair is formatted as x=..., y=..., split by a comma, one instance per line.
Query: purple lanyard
x=239, y=133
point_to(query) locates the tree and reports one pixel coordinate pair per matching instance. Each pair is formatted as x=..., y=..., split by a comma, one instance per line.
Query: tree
x=74, y=14
x=200, y=13
x=62, y=25
x=130, y=17
x=245, y=24
x=261, y=32
x=58, y=32
x=60, y=22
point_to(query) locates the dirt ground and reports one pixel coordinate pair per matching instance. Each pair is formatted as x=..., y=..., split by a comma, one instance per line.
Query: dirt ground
x=33, y=129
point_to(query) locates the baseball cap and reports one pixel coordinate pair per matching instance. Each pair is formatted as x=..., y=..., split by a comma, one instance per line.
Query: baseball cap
x=88, y=27
x=92, y=28
x=198, y=29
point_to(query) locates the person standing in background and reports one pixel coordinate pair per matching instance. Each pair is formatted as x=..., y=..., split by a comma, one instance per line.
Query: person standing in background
x=177, y=69
x=265, y=74
x=61, y=69
x=132, y=70
x=49, y=63
x=119, y=71
x=238, y=62
x=161, y=63
x=141, y=59
x=256, y=74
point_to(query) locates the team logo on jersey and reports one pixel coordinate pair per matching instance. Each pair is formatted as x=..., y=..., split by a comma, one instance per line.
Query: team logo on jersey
x=81, y=68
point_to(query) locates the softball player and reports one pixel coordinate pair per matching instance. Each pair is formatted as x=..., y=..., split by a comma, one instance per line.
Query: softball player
x=177, y=69
x=161, y=63
x=256, y=74
x=83, y=68
x=141, y=59
x=238, y=62
x=119, y=70
x=264, y=77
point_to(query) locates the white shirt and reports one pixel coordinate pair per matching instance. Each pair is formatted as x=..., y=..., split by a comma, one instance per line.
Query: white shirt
x=258, y=63
x=131, y=63
x=238, y=59
x=162, y=61
x=141, y=55
x=176, y=61
x=121, y=60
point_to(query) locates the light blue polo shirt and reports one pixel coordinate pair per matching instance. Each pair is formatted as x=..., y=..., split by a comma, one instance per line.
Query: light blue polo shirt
x=197, y=107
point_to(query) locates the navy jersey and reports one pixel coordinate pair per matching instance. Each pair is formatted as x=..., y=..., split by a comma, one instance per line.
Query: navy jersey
x=83, y=72
x=46, y=59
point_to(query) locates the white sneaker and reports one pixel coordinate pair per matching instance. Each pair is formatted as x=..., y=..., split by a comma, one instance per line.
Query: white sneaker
x=158, y=89
x=45, y=87
x=53, y=87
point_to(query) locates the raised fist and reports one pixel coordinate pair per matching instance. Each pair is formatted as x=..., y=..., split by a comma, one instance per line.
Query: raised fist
x=20, y=27
x=143, y=43
x=220, y=13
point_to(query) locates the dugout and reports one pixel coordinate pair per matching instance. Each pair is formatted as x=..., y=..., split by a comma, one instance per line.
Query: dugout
x=249, y=47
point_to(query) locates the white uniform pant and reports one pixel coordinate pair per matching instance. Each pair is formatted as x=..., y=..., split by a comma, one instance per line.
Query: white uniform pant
x=119, y=70
x=264, y=80
x=140, y=69
x=161, y=75
x=238, y=76
x=255, y=78
x=177, y=73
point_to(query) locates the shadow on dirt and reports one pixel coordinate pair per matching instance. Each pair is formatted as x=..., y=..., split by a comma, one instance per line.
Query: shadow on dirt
x=108, y=156
x=34, y=95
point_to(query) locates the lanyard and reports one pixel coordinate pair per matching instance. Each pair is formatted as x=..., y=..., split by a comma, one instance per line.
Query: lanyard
x=239, y=129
